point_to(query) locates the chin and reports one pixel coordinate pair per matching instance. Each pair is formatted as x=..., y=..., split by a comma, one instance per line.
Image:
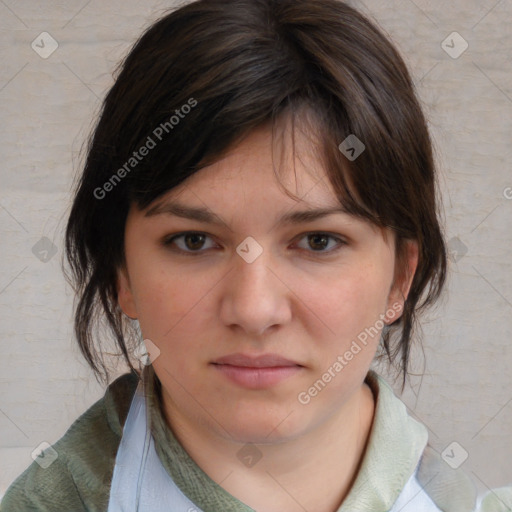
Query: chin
x=260, y=427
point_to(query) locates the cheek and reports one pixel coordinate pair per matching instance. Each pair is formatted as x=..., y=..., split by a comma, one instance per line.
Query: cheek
x=162, y=298
x=346, y=307
x=175, y=312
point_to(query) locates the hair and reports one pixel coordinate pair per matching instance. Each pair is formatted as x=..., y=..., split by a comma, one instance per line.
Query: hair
x=208, y=73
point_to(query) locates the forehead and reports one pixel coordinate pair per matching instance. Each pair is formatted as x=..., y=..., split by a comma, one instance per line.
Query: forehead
x=268, y=165
x=240, y=189
x=272, y=177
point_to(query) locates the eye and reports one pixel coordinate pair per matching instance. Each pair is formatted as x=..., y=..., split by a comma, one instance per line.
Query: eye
x=193, y=242
x=319, y=241
x=189, y=242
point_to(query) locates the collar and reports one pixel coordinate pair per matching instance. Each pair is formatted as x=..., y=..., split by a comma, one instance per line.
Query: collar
x=395, y=446
x=394, y=449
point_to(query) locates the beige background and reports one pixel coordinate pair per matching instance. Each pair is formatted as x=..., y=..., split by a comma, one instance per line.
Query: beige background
x=48, y=107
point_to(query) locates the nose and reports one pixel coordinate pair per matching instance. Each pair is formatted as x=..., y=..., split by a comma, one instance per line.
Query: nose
x=254, y=297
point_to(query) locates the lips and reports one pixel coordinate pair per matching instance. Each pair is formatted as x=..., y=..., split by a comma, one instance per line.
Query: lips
x=264, y=361
x=255, y=373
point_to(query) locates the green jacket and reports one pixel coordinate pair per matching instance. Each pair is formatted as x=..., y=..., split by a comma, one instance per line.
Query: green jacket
x=79, y=478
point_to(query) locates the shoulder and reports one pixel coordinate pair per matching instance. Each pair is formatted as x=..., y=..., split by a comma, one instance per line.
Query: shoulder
x=451, y=489
x=437, y=481
x=448, y=486
x=79, y=477
x=497, y=500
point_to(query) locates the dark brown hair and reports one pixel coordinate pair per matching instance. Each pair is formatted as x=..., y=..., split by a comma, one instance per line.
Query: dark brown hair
x=236, y=65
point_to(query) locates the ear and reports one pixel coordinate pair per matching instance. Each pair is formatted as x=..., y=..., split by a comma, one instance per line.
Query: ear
x=125, y=295
x=405, y=269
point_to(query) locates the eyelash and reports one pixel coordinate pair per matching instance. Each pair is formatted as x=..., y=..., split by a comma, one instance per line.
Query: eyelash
x=168, y=241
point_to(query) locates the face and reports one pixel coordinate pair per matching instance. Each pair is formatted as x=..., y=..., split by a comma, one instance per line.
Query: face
x=266, y=321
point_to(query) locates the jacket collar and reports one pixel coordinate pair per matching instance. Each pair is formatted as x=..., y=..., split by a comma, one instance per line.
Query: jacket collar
x=395, y=446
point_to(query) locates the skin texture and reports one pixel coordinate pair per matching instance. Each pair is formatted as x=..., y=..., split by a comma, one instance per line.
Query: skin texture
x=300, y=298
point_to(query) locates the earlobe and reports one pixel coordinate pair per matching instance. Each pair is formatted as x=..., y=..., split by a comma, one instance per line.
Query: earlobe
x=125, y=295
x=405, y=272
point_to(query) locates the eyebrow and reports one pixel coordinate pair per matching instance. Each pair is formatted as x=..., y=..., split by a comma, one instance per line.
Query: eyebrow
x=206, y=216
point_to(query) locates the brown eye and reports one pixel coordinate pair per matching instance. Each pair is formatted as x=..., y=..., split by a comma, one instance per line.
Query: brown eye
x=318, y=242
x=194, y=241
x=189, y=242
x=322, y=243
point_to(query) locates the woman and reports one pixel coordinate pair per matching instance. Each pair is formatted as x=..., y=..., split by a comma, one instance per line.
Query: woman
x=259, y=206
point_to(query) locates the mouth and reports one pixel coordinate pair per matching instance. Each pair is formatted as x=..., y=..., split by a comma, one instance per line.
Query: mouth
x=259, y=372
x=263, y=361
